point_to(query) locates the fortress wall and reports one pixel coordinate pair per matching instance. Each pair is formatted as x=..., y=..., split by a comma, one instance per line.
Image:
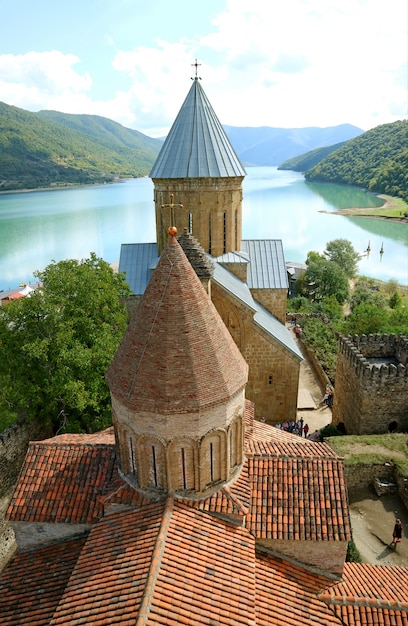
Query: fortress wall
x=13, y=447
x=372, y=397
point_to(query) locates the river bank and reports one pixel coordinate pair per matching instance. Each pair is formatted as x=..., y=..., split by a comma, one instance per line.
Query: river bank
x=391, y=205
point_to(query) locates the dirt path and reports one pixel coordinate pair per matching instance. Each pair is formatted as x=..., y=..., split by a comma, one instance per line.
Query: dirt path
x=372, y=520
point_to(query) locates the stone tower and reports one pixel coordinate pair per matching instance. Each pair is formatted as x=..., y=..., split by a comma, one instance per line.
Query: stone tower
x=198, y=168
x=177, y=384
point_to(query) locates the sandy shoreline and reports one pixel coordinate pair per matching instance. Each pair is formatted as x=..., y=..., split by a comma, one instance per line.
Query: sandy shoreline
x=389, y=203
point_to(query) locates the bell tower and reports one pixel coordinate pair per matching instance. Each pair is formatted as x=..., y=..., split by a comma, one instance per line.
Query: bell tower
x=198, y=165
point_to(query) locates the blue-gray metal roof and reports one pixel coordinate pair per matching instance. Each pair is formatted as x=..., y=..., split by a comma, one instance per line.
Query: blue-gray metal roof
x=197, y=145
x=136, y=262
x=267, y=268
x=262, y=317
x=138, y=259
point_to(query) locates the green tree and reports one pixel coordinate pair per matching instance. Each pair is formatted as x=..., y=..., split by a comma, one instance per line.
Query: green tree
x=325, y=278
x=57, y=345
x=341, y=251
x=395, y=300
x=366, y=319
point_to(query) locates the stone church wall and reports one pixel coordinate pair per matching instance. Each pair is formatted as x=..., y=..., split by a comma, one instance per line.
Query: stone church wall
x=371, y=391
x=273, y=371
x=211, y=210
x=274, y=300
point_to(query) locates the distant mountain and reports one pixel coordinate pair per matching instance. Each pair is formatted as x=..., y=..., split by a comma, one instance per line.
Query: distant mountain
x=376, y=160
x=271, y=146
x=50, y=148
x=306, y=161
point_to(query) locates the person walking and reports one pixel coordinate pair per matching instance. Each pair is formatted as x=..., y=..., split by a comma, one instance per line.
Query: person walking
x=397, y=533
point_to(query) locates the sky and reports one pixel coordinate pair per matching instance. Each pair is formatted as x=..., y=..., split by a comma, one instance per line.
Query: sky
x=287, y=64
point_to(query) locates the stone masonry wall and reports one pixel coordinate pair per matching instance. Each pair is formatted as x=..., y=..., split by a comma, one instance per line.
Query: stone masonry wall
x=372, y=398
x=206, y=202
x=328, y=556
x=273, y=370
x=274, y=300
x=13, y=447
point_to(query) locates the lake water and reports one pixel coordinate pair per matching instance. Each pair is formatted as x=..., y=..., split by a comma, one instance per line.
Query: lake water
x=38, y=227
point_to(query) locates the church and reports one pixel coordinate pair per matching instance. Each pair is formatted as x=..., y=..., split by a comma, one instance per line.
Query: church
x=197, y=180
x=188, y=510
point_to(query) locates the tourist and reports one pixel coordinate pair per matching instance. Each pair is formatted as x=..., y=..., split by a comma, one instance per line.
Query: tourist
x=397, y=532
x=306, y=429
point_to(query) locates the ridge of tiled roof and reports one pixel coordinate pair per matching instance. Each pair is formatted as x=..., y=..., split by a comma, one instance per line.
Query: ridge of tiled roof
x=176, y=329
x=109, y=580
x=162, y=564
x=106, y=436
x=197, y=145
x=199, y=259
x=367, y=591
x=298, y=499
x=63, y=482
x=268, y=440
x=33, y=584
x=286, y=594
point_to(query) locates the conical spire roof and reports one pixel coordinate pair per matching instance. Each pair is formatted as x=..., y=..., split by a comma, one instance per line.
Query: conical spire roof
x=177, y=356
x=197, y=145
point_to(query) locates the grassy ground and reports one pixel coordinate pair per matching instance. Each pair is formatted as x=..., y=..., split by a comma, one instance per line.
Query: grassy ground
x=369, y=449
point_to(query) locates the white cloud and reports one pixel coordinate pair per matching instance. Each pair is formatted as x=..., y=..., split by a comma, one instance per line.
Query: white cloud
x=297, y=63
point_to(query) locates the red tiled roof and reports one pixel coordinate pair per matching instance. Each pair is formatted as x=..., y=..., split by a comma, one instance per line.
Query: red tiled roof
x=34, y=582
x=268, y=440
x=298, y=499
x=176, y=356
x=63, y=482
x=370, y=594
x=165, y=565
x=286, y=595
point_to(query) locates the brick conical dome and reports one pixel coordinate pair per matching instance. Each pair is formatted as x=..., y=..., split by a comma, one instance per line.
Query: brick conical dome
x=176, y=356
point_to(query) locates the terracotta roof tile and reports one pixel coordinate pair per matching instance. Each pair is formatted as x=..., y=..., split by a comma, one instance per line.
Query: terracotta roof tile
x=164, y=564
x=34, y=582
x=63, y=482
x=286, y=594
x=298, y=499
x=370, y=594
x=176, y=355
x=268, y=440
x=109, y=580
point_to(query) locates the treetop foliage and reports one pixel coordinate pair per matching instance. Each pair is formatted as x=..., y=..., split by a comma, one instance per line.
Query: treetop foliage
x=58, y=343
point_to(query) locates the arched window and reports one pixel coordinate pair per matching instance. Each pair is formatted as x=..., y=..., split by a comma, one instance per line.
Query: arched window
x=182, y=468
x=236, y=229
x=213, y=455
x=225, y=233
x=210, y=234
x=235, y=444
x=152, y=470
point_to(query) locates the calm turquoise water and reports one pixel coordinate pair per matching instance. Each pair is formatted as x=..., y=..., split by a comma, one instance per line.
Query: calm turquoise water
x=38, y=227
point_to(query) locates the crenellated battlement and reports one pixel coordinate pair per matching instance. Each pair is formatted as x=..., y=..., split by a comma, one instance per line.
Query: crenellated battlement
x=376, y=358
x=371, y=390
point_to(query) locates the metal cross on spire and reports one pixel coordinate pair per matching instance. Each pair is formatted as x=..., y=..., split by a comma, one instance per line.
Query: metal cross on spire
x=196, y=65
x=171, y=207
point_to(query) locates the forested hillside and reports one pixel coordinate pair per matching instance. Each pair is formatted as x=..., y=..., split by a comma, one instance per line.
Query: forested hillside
x=305, y=162
x=376, y=160
x=50, y=148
